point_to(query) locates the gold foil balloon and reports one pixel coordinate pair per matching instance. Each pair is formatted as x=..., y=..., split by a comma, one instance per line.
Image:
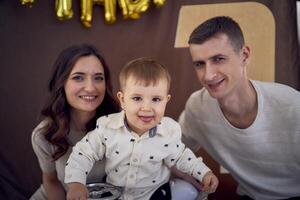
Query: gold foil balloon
x=86, y=12
x=130, y=9
x=133, y=8
x=27, y=2
x=98, y=2
x=159, y=3
x=63, y=9
x=110, y=7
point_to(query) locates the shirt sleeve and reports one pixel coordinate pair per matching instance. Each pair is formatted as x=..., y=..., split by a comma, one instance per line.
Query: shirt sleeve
x=184, y=159
x=43, y=149
x=185, y=120
x=189, y=163
x=85, y=153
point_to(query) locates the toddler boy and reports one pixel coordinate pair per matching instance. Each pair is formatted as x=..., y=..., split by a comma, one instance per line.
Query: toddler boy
x=139, y=143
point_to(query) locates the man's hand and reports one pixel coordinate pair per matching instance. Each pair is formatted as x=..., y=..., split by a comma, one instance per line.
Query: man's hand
x=77, y=191
x=210, y=182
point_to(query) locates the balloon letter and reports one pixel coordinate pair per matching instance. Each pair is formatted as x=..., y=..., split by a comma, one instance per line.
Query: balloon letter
x=133, y=8
x=64, y=9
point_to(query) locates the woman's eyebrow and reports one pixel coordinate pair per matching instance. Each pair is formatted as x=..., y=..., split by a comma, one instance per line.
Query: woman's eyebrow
x=77, y=73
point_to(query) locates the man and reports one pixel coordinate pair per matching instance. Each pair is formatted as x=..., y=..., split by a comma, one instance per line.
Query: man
x=250, y=127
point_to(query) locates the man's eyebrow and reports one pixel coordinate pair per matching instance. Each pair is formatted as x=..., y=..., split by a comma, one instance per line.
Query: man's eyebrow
x=218, y=56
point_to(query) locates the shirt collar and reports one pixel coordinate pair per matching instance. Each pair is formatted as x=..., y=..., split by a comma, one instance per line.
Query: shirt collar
x=118, y=120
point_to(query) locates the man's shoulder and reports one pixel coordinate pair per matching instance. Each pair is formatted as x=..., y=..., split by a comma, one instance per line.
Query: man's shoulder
x=199, y=98
x=276, y=91
x=273, y=86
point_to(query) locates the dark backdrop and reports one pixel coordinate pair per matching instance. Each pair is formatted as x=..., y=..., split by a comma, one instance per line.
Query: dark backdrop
x=30, y=40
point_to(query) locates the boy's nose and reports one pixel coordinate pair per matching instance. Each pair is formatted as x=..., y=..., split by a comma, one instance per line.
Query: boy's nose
x=146, y=106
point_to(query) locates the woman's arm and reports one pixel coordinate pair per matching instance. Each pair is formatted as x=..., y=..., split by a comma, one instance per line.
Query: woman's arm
x=53, y=187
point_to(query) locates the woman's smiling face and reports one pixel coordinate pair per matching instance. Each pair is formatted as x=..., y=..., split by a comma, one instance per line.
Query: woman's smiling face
x=85, y=87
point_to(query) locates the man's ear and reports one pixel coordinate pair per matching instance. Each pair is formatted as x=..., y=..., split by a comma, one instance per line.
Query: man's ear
x=120, y=96
x=246, y=55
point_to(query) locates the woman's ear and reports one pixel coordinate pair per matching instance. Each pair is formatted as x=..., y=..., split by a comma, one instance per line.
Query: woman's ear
x=120, y=96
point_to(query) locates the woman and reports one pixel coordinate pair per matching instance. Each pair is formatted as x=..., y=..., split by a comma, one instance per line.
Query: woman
x=80, y=92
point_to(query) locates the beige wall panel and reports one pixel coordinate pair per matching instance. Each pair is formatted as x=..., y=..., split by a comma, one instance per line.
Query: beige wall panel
x=256, y=21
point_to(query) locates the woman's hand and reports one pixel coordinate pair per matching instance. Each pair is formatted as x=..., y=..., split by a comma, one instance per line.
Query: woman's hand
x=210, y=182
x=77, y=191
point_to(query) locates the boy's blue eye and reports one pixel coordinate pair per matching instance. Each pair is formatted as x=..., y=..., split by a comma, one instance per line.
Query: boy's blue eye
x=156, y=99
x=136, y=98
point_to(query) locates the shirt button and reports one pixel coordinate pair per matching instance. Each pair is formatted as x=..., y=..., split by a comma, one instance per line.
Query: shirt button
x=135, y=160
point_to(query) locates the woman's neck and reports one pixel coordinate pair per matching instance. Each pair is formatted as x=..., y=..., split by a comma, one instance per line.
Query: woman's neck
x=80, y=119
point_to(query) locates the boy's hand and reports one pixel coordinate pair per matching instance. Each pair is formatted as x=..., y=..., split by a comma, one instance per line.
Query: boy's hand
x=210, y=182
x=77, y=191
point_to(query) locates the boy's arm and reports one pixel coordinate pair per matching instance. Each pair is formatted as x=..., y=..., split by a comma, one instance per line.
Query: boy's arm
x=185, y=160
x=84, y=154
x=188, y=163
x=192, y=167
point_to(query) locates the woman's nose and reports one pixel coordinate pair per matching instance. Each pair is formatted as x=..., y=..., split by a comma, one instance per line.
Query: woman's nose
x=89, y=85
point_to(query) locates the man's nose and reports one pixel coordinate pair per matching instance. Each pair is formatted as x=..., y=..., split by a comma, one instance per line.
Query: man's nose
x=210, y=72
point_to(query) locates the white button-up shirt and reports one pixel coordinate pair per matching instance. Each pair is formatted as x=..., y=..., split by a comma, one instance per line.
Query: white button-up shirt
x=139, y=164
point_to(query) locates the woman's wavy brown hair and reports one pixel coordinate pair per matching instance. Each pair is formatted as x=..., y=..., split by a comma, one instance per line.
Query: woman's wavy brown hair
x=57, y=110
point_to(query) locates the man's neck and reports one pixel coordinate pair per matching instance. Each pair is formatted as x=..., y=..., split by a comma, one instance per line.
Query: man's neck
x=240, y=107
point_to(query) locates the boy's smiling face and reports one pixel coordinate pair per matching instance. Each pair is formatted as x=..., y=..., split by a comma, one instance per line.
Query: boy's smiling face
x=144, y=105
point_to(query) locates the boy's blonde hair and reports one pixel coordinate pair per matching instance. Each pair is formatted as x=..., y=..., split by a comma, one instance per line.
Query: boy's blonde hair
x=145, y=71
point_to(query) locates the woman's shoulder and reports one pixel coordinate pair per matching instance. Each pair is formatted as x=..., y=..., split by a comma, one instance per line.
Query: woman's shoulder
x=38, y=133
x=42, y=148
